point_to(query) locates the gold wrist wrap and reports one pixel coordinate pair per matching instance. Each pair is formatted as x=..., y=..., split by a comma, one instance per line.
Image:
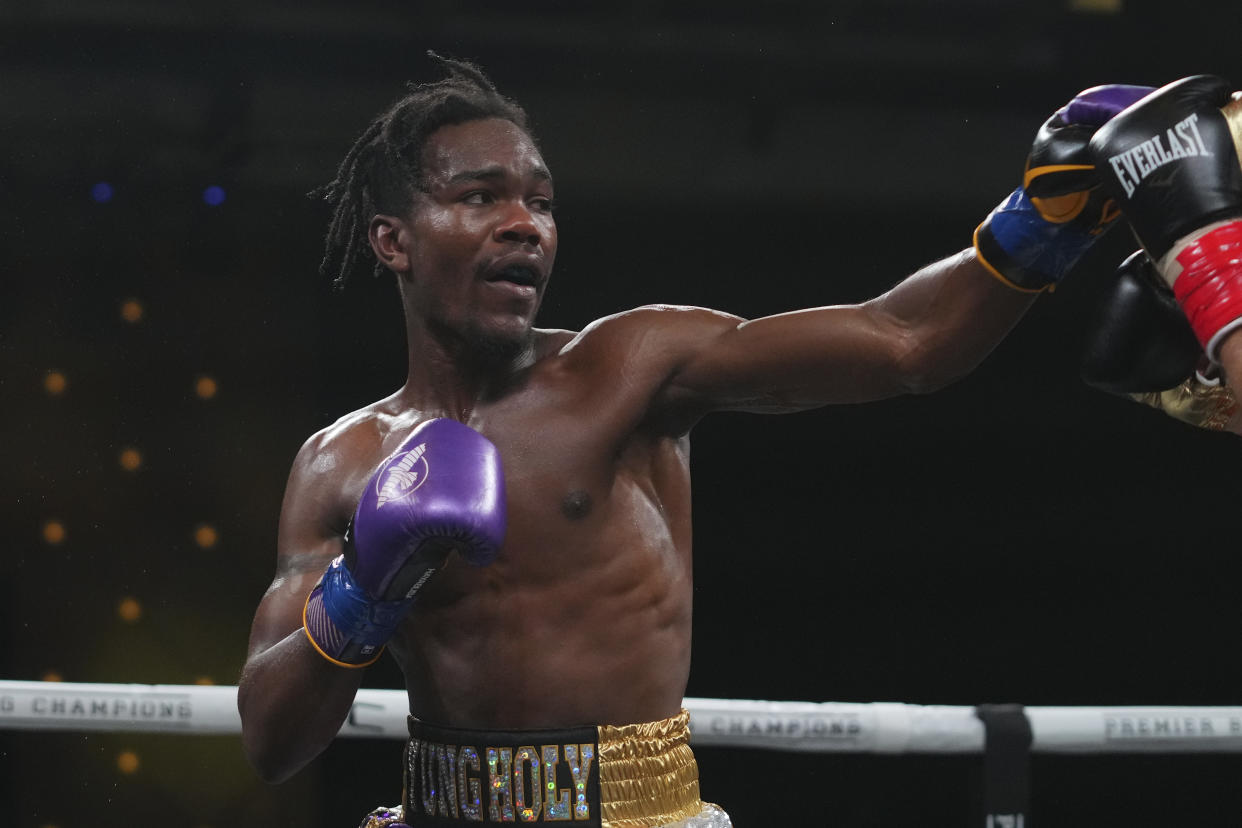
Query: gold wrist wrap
x=1194, y=402
x=1233, y=116
x=647, y=773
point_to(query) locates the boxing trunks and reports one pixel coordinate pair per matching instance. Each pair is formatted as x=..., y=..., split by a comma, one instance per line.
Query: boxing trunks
x=610, y=776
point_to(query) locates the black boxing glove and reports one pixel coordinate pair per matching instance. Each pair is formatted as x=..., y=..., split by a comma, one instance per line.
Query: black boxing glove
x=1037, y=235
x=1172, y=162
x=1139, y=340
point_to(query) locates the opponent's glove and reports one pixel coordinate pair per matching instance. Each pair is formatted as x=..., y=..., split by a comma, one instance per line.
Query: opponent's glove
x=1139, y=340
x=1199, y=401
x=1036, y=235
x=1171, y=162
x=1141, y=345
x=442, y=491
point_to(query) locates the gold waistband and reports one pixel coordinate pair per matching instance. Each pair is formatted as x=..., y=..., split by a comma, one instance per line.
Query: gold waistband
x=647, y=773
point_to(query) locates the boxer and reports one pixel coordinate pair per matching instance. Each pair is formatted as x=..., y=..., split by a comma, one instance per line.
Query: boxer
x=513, y=524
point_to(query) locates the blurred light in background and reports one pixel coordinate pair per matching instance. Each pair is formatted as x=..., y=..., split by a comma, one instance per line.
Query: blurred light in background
x=1096, y=6
x=54, y=532
x=213, y=196
x=127, y=761
x=206, y=536
x=131, y=310
x=130, y=458
x=101, y=193
x=205, y=387
x=54, y=383
x=129, y=610
x=52, y=676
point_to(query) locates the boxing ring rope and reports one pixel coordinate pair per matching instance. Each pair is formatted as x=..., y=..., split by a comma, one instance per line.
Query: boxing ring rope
x=824, y=727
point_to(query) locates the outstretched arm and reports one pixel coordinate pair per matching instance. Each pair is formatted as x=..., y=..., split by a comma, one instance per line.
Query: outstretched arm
x=929, y=330
x=936, y=325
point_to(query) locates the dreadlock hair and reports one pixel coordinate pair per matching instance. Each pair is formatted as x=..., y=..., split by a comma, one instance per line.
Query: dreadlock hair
x=383, y=169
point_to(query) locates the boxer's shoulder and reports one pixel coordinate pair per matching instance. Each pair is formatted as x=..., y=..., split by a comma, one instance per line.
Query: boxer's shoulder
x=550, y=341
x=334, y=462
x=660, y=334
x=360, y=432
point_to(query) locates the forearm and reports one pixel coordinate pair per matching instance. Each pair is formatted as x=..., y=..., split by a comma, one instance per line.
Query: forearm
x=292, y=703
x=1231, y=363
x=932, y=328
x=952, y=314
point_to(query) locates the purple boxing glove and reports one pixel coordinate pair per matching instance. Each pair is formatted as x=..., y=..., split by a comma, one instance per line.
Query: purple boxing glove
x=1040, y=232
x=442, y=491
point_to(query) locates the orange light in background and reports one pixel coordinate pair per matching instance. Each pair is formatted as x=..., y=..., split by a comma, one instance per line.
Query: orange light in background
x=52, y=675
x=204, y=681
x=53, y=532
x=129, y=610
x=206, y=536
x=54, y=383
x=132, y=311
x=127, y=761
x=1096, y=6
x=206, y=388
x=130, y=458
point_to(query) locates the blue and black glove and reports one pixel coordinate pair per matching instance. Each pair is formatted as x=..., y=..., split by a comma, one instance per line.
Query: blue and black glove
x=1040, y=232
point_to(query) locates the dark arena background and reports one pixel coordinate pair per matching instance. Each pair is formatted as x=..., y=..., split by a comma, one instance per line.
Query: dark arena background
x=166, y=345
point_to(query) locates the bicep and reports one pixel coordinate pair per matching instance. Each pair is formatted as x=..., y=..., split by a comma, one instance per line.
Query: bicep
x=930, y=329
x=793, y=361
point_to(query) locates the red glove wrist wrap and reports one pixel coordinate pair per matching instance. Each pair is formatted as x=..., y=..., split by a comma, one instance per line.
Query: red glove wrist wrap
x=1209, y=287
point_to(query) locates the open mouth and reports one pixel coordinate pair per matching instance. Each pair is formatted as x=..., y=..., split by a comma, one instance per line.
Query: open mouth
x=517, y=274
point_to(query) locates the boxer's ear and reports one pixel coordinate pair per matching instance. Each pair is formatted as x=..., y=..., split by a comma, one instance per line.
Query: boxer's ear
x=389, y=237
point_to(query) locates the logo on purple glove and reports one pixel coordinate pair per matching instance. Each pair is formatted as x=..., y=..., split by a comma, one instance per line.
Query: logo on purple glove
x=404, y=474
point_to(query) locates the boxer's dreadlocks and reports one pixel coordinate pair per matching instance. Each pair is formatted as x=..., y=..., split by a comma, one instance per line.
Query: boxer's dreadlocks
x=383, y=169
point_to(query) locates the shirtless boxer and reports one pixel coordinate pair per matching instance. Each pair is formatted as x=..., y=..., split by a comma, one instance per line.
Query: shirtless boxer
x=531, y=574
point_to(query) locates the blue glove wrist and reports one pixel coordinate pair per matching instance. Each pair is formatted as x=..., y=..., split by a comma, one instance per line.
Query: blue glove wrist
x=344, y=623
x=1028, y=251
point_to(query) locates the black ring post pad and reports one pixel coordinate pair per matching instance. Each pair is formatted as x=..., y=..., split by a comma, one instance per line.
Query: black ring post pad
x=1006, y=765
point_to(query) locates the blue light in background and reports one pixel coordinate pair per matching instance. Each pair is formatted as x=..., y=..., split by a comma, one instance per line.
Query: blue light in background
x=213, y=195
x=101, y=193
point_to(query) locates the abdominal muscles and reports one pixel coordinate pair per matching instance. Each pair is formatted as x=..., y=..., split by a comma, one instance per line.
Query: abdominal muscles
x=576, y=623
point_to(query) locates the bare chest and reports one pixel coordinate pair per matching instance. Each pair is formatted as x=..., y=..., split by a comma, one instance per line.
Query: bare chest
x=588, y=490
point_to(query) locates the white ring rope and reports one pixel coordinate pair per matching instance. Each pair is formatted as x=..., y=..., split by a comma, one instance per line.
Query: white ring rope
x=826, y=727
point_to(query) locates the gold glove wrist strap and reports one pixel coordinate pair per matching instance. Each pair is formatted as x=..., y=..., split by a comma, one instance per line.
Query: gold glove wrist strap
x=1199, y=403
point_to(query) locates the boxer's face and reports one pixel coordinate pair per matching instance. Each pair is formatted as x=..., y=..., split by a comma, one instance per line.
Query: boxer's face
x=482, y=237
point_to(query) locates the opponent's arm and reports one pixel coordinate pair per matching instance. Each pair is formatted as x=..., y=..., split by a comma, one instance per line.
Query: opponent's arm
x=936, y=325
